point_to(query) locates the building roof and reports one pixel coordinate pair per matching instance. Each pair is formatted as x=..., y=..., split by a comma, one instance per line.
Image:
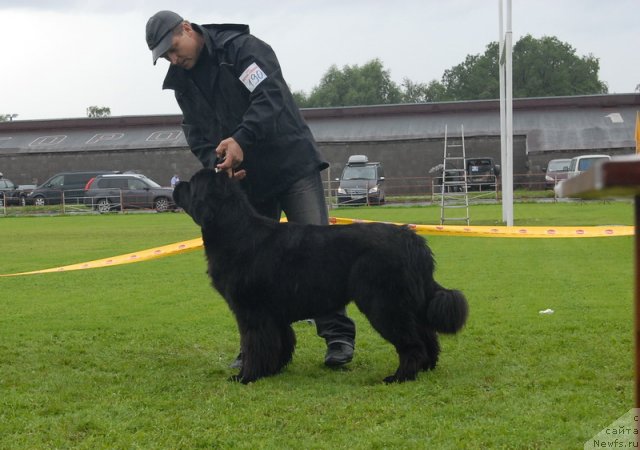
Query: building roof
x=550, y=123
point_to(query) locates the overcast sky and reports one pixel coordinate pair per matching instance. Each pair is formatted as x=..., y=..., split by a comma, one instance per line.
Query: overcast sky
x=59, y=57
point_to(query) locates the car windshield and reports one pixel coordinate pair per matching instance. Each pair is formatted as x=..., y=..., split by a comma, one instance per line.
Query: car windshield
x=558, y=166
x=479, y=166
x=150, y=182
x=587, y=162
x=359, y=173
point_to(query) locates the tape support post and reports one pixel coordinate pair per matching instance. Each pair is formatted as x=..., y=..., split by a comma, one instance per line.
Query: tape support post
x=443, y=230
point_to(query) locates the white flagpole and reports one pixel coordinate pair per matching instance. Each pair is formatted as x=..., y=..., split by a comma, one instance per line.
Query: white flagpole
x=506, y=115
x=503, y=132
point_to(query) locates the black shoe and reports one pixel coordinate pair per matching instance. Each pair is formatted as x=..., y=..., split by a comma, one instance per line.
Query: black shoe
x=338, y=354
x=237, y=363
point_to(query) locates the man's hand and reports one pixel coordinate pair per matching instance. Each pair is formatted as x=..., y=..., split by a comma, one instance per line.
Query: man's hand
x=232, y=156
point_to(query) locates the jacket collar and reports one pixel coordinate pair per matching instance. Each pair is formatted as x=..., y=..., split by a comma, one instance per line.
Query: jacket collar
x=216, y=38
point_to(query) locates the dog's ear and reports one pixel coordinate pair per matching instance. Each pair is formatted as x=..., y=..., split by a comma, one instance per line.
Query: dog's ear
x=204, y=195
x=182, y=196
x=200, y=199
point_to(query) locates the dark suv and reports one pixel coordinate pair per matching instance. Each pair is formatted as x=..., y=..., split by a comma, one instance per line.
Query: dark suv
x=482, y=174
x=67, y=187
x=8, y=192
x=110, y=192
x=361, y=182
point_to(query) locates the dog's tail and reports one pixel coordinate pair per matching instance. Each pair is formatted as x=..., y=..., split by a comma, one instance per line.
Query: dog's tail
x=448, y=310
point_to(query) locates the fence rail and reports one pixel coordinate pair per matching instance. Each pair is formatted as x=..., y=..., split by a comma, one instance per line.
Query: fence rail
x=429, y=189
x=396, y=190
x=114, y=200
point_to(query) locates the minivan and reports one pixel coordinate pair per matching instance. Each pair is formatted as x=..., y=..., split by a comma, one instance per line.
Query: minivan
x=556, y=171
x=361, y=182
x=67, y=185
x=581, y=163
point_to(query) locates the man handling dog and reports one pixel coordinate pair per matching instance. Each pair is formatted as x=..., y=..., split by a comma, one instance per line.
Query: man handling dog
x=239, y=116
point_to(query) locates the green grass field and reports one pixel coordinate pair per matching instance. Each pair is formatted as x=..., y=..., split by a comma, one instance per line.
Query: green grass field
x=136, y=356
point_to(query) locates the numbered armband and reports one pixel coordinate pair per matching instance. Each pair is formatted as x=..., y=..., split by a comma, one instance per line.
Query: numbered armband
x=252, y=77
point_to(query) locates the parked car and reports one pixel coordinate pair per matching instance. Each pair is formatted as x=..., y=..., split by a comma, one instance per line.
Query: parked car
x=19, y=196
x=127, y=191
x=7, y=190
x=581, y=163
x=67, y=187
x=450, y=180
x=453, y=180
x=11, y=193
x=361, y=182
x=482, y=174
x=556, y=171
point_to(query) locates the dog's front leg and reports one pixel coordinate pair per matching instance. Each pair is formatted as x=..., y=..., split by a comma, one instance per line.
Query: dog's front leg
x=266, y=347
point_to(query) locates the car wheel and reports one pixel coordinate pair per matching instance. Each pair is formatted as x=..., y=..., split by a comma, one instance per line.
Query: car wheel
x=39, y=201
x=161, y=204
x=103, y=205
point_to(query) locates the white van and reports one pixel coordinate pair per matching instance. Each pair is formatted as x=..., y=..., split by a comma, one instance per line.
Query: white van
x=579, y=164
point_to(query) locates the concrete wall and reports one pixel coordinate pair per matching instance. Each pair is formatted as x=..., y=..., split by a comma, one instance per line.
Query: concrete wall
x=158, y=164
x=406, y=163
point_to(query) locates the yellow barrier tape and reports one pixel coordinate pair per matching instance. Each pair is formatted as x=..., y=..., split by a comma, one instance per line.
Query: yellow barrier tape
x=510, y=232
x=144, y=255
x=445, y=230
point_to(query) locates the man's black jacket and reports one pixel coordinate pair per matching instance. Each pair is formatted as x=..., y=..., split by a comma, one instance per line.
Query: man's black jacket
x=260, y=113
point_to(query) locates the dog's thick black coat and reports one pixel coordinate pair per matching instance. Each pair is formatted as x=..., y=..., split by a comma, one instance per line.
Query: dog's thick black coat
x=272, y=274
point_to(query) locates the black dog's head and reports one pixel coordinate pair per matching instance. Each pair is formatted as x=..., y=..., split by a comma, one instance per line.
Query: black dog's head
x=203, y=195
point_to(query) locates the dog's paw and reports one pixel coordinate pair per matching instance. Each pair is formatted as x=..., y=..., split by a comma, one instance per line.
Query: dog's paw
x=395, y=378
x=235, y=378
x=240, y=379
x=428, y=365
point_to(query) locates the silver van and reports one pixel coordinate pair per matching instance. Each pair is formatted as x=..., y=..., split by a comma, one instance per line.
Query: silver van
x=361, y=182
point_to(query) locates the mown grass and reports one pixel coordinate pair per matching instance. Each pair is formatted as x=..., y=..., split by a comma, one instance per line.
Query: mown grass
x=136, y=356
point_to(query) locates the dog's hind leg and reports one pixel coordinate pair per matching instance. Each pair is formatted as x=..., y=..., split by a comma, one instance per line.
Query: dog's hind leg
x=398, y=326
x=430, y=339
x=288, y=340
x=413, y=358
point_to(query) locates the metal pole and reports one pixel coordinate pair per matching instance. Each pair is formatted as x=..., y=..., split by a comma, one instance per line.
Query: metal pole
x=508, y=189
x=506, y=114
x=503, y=132
x=637, y=304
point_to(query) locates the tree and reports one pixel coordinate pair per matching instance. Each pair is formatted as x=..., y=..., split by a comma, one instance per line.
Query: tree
x=547, y=67
x=98, y=111
x=354, y=85
x=300, y=98
x=7, y=117
x=544, y=67
x=476, y=78
x=421, y=92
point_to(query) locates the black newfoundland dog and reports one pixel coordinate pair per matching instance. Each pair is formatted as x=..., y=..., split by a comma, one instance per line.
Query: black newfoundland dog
x=272, y=274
